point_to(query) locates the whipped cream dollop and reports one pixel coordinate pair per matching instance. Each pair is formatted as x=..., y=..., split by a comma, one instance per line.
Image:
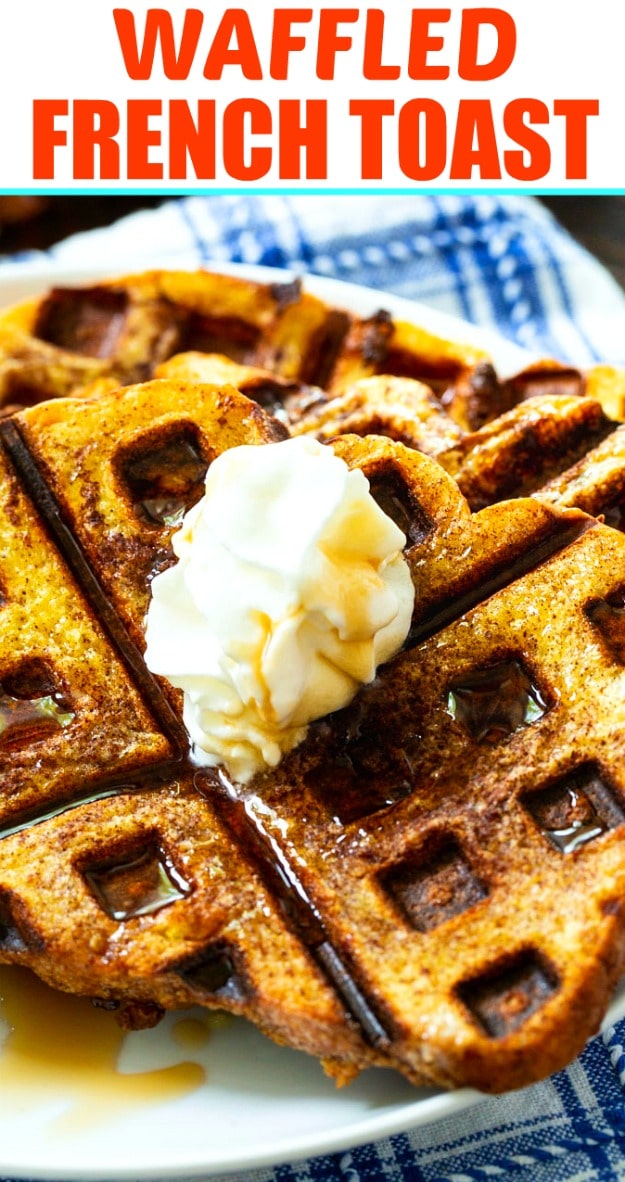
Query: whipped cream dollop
x=289, y=590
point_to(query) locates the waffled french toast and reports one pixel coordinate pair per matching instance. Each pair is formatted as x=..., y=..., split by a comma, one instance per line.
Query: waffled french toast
x=120, y=331
x=434, y=879
x=384, y=860
x=560, y=439
x=113, y=866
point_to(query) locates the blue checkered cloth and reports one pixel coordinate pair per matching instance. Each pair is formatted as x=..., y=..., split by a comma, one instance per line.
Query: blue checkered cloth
x=501, y=262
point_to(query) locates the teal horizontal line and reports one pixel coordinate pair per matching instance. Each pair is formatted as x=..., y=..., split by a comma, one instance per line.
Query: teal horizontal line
x=312, y=192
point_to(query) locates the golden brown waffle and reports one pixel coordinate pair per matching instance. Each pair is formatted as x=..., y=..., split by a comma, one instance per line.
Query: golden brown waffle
x=561, y=441
x=123, y=329
x=421, y=840
x=288, y=401
x=563, y=450
x=451, y=826
x=287, y=346
x=142, y=900
x=285, y=342
x=605, y=383
x=557, y=442
x=518, y=452
x=140, y=457
x=508, y=421
x=400, y=408
x=70, y=719
x=116, y=878
x=440, y=866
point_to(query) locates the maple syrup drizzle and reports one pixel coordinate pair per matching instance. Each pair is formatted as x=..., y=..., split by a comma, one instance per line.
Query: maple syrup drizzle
x=573, y=837
x=245, y=819
x=24, y=717
x=496, y=701
x=191, y=1034
x=138, y=885
x=583, y=824
x=59, y=1045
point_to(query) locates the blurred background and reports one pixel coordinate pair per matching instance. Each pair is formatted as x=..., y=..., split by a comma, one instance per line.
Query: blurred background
x=27, y=223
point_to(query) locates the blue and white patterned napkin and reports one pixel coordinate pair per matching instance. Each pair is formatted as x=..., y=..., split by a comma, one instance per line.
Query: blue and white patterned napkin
x=501, y=262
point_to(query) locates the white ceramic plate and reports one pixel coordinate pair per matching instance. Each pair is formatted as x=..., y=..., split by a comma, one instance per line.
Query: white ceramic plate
x=66, y=1112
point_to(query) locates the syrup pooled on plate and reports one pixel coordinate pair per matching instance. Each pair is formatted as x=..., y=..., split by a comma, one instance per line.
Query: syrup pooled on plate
x=60, y=1046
